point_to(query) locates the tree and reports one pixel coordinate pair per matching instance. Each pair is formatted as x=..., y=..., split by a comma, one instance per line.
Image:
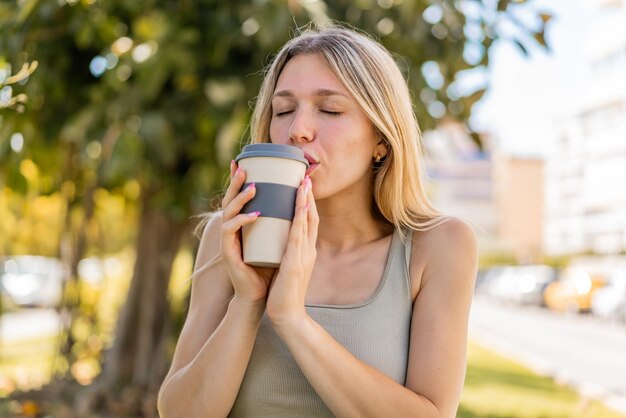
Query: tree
x=158, y=92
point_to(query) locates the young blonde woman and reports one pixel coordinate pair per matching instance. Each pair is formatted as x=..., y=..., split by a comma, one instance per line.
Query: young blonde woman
x=367, y=314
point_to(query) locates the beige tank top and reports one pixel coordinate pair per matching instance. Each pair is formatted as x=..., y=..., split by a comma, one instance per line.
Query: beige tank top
x=375, y=331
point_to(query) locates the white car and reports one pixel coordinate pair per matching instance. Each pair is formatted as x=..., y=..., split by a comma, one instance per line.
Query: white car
x=610, y=300
x=521, y=284
x=28, y=280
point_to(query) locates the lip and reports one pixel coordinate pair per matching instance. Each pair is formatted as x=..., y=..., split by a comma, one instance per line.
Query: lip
x=310, y=158
x=312, y=167
x=313, y=163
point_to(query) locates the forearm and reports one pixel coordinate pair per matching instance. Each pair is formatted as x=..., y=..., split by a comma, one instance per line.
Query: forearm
x=209, y=384
x=349, y=387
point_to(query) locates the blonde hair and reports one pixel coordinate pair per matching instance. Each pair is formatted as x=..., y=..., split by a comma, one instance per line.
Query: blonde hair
x=372, y=77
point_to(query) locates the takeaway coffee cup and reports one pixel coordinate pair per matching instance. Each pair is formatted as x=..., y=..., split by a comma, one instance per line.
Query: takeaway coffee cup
x=277, y=171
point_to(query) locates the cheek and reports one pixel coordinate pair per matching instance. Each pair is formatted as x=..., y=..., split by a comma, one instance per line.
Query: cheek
x=358, y=149
x=278, y=133
x=350, y=161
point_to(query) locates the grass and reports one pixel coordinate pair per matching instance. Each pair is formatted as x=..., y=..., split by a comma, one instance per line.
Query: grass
x=496, y=387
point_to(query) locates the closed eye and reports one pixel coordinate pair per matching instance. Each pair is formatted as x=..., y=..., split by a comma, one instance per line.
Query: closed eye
x=330, y=112
x=284, y=112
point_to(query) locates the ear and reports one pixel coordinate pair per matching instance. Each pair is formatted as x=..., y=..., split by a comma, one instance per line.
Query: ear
x=381, y=149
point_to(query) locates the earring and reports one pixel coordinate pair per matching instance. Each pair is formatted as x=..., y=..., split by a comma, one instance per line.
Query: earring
x=378, y=157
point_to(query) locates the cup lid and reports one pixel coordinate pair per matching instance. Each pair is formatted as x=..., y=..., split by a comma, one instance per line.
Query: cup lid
x=272, y=150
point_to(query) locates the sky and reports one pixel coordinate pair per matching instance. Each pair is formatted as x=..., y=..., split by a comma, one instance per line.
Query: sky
x=527, y=95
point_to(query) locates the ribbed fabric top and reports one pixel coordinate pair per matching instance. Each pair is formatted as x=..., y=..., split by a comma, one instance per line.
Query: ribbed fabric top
x=375, y=331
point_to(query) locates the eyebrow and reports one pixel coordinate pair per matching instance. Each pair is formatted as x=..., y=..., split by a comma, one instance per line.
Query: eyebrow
x=318, y=92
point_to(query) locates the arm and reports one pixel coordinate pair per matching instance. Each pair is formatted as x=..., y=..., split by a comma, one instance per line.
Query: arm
x=228, y=298
x=438, y=351
x=436, y=364
x=215, y=344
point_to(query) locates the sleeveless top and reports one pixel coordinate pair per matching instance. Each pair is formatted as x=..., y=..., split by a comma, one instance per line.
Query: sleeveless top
x=375, y=331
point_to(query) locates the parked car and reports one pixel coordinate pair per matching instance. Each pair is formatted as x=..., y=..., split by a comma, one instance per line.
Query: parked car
x=31, y=281
x=521, y=284
x=532, y=280
x=610, y=301
x=573, y=291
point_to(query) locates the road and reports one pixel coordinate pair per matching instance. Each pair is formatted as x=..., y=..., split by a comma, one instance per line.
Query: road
x=580, y=350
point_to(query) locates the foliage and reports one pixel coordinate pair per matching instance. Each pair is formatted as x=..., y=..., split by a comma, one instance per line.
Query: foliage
x=30, y=224
x=7, y=99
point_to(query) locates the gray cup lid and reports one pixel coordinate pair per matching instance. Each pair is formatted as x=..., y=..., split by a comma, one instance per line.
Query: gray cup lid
x=272, y=150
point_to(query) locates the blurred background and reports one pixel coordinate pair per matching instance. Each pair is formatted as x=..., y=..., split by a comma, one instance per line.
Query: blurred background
x=118, y=121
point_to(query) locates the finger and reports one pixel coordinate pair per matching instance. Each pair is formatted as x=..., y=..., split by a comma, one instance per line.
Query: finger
x=299, y=220
x=230, y=227
x=239, y=177
x=303, y=193
x=231, y=240
x=312, y=216
x=236, y=204
x=301, y=210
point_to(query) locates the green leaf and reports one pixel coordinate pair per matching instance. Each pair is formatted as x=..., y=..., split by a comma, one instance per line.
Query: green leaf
x=16, y=181
x=152, y=26
x=27, y=8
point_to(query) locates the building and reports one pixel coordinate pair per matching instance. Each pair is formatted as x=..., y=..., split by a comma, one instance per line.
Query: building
x=519, y=194
x=500, y=196
x=585, y=204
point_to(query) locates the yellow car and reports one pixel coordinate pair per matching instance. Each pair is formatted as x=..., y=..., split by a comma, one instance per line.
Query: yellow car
x=573, y=291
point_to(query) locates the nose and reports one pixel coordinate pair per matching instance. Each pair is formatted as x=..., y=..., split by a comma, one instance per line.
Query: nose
x=302, y=129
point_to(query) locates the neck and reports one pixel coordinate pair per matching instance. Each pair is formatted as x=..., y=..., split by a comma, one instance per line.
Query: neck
x=347, y=223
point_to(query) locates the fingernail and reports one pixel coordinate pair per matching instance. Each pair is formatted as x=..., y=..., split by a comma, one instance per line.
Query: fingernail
x=250, y=187
x=254, y=214
x=309, y=182
x=239, y=170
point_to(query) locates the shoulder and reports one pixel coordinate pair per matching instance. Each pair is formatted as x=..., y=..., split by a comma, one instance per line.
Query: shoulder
x=450, y=236
x=448, y=251
x=452, y=233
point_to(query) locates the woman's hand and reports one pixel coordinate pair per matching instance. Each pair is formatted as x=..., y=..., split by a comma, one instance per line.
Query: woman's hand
x=250, y=283
x=288, y=290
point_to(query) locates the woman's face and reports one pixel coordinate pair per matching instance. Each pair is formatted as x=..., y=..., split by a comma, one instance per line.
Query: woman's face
x=312, y=110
